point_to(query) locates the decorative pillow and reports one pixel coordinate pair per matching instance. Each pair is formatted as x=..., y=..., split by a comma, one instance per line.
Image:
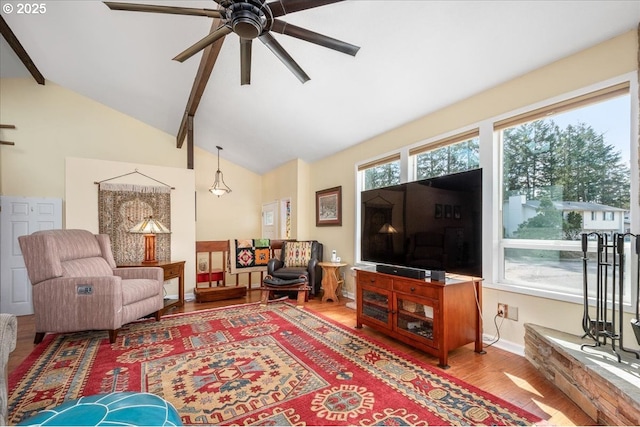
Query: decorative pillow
x=298, y=254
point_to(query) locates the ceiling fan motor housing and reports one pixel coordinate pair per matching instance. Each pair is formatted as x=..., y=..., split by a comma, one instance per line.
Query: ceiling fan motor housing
x=247, y=19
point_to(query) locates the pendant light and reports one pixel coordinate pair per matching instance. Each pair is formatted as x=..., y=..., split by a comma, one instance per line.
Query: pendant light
x=219, y=187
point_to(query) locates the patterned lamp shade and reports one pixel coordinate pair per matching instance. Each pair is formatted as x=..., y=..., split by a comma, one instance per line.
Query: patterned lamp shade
x=149, y=227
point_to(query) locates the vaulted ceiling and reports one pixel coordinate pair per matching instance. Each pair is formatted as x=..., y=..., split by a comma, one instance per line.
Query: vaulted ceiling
x=415, y=58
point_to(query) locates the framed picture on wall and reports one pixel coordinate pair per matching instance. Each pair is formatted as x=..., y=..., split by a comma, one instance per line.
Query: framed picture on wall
x=447, y=211
x=438, y=213
x=329, y=207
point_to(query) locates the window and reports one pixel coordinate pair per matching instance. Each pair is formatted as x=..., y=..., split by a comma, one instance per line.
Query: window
x=381, y=173
x=564, y=167
x=455, y=154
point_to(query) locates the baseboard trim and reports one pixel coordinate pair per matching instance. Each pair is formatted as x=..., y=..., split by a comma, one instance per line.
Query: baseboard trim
x=509, y=346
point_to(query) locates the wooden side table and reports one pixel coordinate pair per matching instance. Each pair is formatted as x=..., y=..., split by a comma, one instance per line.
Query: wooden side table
x=172, y=270
x=331, y=280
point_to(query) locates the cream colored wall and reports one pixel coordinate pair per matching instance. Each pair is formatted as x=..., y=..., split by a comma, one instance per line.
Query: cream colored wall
x=613, y=58
x=65, y=142
x=53, y=123
x=282, y=183
x=291, y=180
x=234, y=215
x=81, y=200
x=305, y=213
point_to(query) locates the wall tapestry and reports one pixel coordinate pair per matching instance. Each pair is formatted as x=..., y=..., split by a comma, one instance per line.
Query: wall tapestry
x=121, y=206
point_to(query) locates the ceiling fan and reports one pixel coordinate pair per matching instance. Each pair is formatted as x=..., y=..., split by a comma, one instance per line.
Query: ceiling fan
x=251, y=19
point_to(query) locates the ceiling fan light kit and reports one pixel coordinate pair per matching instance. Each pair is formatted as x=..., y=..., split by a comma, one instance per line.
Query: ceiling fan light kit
x=247, y=19
x=251, y=19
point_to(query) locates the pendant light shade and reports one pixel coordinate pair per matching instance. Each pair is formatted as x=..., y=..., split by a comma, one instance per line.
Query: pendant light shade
x=219, y=187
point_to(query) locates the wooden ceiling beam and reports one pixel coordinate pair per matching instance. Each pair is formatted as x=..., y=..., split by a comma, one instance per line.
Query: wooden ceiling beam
x=15, y=44
x=208, y=60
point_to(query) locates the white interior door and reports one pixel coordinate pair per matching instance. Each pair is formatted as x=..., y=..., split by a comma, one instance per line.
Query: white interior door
x=20, y=216
x=270, y=220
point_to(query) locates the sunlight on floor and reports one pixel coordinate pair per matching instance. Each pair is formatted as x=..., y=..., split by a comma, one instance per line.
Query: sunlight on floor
x=556, y=417
x=523, y=384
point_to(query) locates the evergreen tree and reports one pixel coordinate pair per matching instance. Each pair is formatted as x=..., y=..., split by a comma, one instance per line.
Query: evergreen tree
x=546, y=225
x=571, y=164
x=382, y=175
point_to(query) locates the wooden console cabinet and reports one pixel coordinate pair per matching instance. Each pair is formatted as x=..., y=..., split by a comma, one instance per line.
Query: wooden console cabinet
x=435, y=317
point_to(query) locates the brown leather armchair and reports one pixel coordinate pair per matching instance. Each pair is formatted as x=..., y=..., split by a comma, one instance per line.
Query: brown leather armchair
x=299, y=258
x=77, y=287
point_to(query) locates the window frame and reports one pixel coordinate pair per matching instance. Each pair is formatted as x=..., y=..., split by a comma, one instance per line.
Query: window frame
x=490, y=161
x=498, y=281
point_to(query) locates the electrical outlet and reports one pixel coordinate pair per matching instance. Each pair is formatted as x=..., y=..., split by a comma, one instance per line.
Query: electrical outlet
x=502, y=309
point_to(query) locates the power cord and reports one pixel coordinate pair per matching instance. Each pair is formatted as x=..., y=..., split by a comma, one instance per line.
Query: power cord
x=496, y=337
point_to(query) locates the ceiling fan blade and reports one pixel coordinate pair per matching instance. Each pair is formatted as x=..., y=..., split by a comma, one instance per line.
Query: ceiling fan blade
x=282, y=7
x=212, y=13
x=245, y=61
x=282, y=27
x=197, y=47
x=283, y=56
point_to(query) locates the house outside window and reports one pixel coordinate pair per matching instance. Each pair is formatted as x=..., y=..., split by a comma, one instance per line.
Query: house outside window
x=564, y=167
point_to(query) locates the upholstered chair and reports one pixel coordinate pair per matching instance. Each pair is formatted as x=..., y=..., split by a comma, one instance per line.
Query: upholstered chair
x=77, y=287
x=8, y=333
x=297, y=258
x=427, y=250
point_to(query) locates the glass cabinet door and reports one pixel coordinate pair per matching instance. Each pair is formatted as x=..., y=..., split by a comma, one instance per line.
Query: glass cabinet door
x=376, y=305
x=417, y=319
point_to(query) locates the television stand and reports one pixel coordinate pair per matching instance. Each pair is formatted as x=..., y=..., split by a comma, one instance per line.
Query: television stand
x=433, y=316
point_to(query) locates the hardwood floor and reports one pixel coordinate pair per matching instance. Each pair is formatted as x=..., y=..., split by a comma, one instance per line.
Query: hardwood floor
x=501, y=373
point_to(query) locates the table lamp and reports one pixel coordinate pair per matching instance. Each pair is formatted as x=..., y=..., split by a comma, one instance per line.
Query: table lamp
x=149, y=227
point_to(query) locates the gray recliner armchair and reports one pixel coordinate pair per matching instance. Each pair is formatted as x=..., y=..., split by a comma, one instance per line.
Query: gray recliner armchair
x=8, y=333
x=77, y=287
x=299, y=258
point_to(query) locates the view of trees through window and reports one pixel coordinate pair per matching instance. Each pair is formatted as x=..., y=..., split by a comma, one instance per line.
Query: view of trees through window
x=382, y=175
x=564, y=176
x=546, y=163
x=453, y=158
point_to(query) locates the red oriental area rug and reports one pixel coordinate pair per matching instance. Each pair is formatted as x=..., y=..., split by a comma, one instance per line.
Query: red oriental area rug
x=254, y=365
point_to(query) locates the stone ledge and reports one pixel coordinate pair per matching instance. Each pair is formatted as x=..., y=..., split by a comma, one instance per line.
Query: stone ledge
x=608, y=391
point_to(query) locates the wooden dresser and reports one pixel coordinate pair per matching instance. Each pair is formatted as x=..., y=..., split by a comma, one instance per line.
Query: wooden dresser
x=435, y=317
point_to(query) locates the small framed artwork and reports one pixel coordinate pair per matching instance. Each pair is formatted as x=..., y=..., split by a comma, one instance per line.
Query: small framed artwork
x=456, y=212
x=447, y=211
x=438, y=213
x=329, y=207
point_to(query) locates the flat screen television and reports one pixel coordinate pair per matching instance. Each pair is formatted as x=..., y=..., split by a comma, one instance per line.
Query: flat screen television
x=432, y=224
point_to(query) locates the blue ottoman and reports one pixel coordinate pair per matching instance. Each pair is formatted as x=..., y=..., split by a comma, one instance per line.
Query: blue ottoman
x=113, y=409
